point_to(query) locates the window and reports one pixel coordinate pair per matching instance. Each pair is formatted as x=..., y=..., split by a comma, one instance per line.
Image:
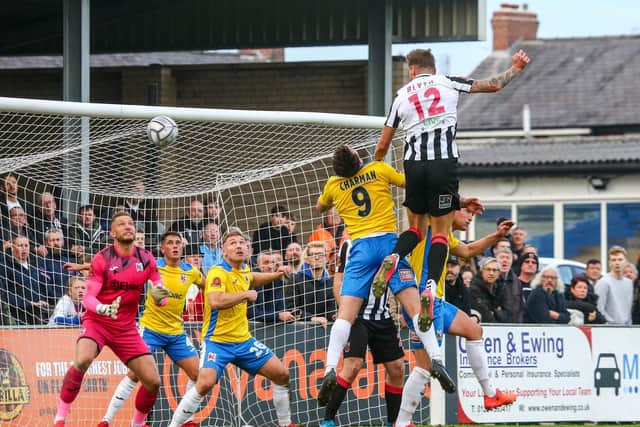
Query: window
x=486, y=223
x=537, y=221
x=582, y=231
x=623, y=227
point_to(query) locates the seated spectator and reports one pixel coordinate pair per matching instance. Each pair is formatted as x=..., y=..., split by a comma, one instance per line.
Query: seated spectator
x=456, y=292
x=212, y=211
x=140, y=239
x=86, y=236
x=467, y=277
x=615, y=292
x=210, y=246
x=313, y=288
x=528, y=269
x=292, y=259
x=518, y=242
x=630, y=272
x=193, y=256
x=52, y=265
x=24, y=287
x=577, y=298
x=546, y=302
x=504, y=256
x=144, y=213
x=332, y=231
x=502, y=242
x=270, y=305
x=107, y=211
x=69, y=309
x=191, y=225
x=46, y=217
x=510, y=285
x=468, y=264
x=275, y=234
x=9, y=195
x=593, y=273
x=528, y=249
x=16, y=226
x=486, y=296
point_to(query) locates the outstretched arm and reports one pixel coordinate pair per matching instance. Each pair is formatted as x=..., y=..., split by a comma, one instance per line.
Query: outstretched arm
x=464, y=250
x=493, y=84
x=384, y=142
x=261, y=279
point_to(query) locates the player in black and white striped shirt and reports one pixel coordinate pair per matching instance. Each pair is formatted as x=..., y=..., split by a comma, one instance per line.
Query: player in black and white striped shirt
x=373, y=327
x=426, y=109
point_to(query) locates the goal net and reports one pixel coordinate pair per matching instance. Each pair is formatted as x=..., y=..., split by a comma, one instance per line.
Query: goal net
x=67, y=167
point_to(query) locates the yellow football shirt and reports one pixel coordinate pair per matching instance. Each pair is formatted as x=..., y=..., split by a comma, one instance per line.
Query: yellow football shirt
x=168, y=319
x=418, y=261
x=364, y=201
x=231, y=324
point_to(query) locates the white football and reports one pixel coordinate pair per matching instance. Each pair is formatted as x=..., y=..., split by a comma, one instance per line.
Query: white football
x=162, y=130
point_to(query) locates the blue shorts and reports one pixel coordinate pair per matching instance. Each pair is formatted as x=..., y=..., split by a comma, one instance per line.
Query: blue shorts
x=178, y=347
x=443, y=315
x=250, y=355
x=365, y=258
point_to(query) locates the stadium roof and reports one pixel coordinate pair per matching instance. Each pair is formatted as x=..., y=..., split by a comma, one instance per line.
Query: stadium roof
x=567, y=155
x=35, y=27
x=140, y=59
x=578, y=82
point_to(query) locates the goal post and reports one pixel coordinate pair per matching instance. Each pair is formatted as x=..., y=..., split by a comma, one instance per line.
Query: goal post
x=229, y=167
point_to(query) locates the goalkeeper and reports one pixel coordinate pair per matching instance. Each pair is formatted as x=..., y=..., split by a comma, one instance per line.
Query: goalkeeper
x=119, y=274
x=162, y=327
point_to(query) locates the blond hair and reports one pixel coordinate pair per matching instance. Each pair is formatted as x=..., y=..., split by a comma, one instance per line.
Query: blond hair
x=616, y=250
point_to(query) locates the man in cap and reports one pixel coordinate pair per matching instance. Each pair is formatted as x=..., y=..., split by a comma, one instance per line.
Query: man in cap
x=529, y=264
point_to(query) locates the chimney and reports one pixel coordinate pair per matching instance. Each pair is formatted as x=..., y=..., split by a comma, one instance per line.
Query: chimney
x=511, y=24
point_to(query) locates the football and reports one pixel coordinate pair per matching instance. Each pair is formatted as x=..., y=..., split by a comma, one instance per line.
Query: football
x=162, y=130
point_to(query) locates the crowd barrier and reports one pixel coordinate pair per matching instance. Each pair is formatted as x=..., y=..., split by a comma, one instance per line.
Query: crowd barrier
x=559, y=373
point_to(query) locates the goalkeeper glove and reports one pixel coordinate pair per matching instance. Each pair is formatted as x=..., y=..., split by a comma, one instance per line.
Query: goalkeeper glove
x=109, y=310
x=159, y=293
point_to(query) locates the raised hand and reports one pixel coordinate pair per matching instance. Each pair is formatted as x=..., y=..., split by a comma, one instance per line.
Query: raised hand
x=520, y=60
x=473, y=205
x=504, y=227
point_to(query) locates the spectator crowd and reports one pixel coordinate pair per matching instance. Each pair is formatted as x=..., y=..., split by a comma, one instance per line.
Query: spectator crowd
x=506, y=286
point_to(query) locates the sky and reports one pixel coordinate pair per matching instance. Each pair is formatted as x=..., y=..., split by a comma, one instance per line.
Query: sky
x=558, y=19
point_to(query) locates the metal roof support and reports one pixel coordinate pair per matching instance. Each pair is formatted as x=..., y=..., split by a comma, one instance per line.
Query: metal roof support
x=379, y=71
x=75, y=87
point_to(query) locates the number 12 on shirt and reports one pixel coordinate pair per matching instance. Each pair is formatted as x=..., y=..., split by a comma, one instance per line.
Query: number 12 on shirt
x=430, y=95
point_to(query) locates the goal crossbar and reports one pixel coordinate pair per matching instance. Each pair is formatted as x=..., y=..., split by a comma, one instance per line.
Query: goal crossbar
x=65, y=108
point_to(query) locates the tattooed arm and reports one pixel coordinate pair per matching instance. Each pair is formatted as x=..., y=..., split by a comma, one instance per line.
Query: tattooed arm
x=497, y=82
